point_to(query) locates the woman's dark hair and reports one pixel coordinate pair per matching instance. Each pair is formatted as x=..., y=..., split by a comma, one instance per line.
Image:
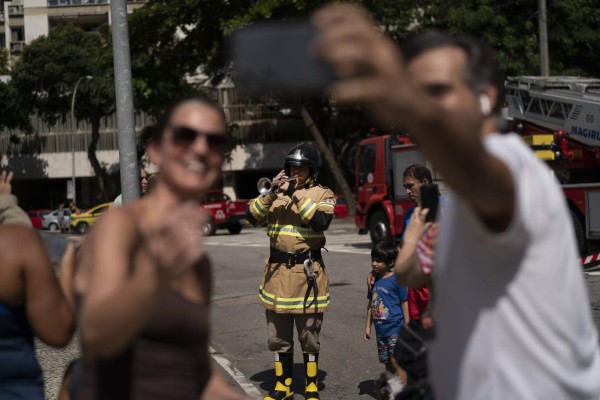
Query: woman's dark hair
x=419, y=172
x=163, y=121
x=481, y=68
x=385, y=252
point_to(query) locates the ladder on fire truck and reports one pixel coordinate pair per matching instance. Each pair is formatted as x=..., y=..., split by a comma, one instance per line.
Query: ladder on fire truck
x=559, y=102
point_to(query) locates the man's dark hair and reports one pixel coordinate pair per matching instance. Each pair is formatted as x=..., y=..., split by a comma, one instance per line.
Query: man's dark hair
x=481, y=68
x=385, y=252
x=164, y=121
x=419, y=172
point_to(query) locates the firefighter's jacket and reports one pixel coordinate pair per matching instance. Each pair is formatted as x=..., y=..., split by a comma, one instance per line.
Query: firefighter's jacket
x=283, y=288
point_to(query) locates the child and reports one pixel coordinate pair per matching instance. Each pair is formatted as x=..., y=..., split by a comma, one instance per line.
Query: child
x=387, y=308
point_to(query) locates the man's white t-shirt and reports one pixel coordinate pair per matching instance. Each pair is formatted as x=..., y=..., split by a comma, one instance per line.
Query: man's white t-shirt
x=512, y=315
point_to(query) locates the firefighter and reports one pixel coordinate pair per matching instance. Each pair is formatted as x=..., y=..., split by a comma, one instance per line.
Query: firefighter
x=294, y=286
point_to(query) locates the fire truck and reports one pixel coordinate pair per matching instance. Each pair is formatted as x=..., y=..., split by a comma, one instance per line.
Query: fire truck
x=381, y=200
x=559, y=117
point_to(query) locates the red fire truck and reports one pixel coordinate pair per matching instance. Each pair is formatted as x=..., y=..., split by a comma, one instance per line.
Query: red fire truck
x=381, y=200
x=559, y=117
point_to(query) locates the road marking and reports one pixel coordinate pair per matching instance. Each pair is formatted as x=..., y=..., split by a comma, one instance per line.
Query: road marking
x=594, y=273
x=236, y=374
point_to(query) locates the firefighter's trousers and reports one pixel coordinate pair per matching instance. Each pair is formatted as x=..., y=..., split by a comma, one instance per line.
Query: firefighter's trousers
x=281, y=331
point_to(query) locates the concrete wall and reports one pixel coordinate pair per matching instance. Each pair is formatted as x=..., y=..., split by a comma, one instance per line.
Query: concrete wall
x=57, y=165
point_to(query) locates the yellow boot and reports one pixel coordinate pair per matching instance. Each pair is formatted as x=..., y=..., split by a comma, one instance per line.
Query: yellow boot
x=311, y=362
x=284, y=363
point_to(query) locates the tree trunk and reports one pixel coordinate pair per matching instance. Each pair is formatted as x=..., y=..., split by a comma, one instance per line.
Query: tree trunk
x=330, y=160
x=102, y=179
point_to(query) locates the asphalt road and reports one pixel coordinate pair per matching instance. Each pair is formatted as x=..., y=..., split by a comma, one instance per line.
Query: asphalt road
x=348, y=364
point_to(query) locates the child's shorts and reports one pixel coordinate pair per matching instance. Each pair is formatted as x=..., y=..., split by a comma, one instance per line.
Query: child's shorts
x=385, y=347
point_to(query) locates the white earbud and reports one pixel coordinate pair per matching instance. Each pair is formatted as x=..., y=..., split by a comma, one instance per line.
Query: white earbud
x=484, y=103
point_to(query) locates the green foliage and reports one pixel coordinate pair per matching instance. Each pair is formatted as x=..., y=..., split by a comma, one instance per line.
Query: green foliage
x=4, y=58
x=13, y=115
x=50, y=66
x=511, y=28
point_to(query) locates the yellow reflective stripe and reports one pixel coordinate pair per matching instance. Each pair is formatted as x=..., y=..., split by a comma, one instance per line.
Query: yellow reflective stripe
x=293, y=230
x=260, y=210
x=326, y=204
x=296, y=299
x=308, y=211
x=307, y=203
x=301, y=304
x=265, y=297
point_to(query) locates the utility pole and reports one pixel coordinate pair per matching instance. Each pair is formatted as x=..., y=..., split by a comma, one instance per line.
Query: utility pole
x=542, y=20
x=130, y=187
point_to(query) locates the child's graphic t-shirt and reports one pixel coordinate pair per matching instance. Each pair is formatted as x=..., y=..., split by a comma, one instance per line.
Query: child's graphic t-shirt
x=386, y=309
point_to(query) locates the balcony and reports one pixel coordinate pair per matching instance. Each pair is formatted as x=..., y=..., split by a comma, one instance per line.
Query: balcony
x=16, y=47
x=15, y=10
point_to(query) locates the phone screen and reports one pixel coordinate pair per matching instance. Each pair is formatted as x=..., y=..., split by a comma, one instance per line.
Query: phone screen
x=278, y=56
x=430, y=199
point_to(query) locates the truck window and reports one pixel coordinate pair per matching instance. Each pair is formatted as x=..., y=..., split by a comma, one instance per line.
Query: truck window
x=367, y=162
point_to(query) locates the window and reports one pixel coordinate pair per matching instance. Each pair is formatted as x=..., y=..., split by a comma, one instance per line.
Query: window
x=367, y=162
x=17, y=34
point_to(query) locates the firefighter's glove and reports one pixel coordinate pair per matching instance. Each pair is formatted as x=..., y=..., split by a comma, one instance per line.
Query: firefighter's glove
x=291, y=189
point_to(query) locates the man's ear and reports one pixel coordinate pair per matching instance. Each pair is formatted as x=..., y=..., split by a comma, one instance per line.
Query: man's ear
x=488, y=99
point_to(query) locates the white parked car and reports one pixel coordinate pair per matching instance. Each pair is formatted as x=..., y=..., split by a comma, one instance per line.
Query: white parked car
x=50, y=221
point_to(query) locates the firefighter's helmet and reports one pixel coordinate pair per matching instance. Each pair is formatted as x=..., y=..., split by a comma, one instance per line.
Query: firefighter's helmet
x=303, y=154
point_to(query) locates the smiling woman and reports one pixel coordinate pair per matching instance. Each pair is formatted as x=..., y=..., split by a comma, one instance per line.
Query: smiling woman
x=145, y=284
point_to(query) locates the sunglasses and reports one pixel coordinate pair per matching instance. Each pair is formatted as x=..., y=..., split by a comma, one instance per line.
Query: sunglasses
x=184, y=136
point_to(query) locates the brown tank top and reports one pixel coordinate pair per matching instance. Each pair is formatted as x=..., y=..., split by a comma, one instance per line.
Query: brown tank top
x=168, y=359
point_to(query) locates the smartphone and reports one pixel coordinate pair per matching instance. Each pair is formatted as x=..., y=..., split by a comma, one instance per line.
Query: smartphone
x=430, y=199
x=278, y=56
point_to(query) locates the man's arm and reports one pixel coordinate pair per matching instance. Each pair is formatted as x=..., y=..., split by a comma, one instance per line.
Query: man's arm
x=372, y=72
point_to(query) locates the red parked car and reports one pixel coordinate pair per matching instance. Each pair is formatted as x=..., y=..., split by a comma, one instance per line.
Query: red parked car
x=36, y=217
x=341, y=208
x=225, y=213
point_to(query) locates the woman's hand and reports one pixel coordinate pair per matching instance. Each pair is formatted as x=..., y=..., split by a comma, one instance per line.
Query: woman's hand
x=177, y=244
x=5, y=179
x=280, y=176
x=367, y=333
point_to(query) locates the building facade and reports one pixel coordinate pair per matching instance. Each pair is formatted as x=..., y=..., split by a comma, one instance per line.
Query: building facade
x=261, y=129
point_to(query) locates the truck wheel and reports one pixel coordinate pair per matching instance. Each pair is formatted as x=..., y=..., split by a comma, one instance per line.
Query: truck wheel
x=82, y=227
x=579, y=232
x=379, y=228
x=234, y=228
x=209, y=228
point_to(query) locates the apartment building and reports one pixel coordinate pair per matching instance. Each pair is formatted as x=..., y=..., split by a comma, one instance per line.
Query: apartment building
x=43, y=162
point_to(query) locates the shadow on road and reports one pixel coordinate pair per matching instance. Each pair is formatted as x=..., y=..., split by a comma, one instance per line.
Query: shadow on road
x=367, y=245
x=369, y=387
x=266, y=379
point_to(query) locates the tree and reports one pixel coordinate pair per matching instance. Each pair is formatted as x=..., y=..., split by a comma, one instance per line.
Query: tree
x=511, y=28
x=176, y=38
x=46, y=74
x=171, y=39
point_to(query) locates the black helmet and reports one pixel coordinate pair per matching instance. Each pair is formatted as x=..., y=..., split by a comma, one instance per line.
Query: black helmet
x=303, y=154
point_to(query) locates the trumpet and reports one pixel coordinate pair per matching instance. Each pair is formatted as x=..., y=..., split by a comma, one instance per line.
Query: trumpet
x=266, y=186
